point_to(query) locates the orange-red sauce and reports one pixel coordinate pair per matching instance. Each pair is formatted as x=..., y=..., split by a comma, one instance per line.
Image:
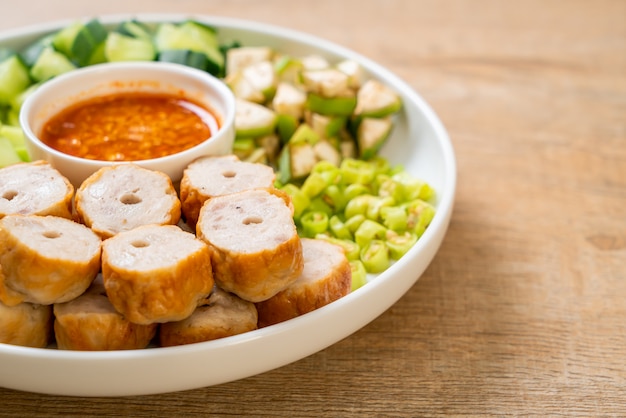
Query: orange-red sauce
x=129, y=127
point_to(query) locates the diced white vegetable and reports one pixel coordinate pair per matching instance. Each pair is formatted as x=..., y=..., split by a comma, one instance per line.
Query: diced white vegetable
x=239, y=58
x=327, y=83
x=314, y=62
x=243, y=89
x=289, y=100
x=261, y=77
x=354, y=71
x=325, y=151
x=376, y=99
x=303, y=159
x=371, y=134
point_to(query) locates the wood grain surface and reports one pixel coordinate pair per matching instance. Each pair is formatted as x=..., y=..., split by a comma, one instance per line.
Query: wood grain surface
x=523, y=310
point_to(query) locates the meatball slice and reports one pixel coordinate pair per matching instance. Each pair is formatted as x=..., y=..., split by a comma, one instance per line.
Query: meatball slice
x=121, y=197
x=223, y=314
x=208, y=177
x=254, y=245
x=25, y=324
x=46, y=259
x=90, y=323
x=326, y=277
x=156, y=273
x=35, y=188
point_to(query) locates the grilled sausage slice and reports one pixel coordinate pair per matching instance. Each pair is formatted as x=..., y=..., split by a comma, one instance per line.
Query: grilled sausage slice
x=121, y=197
x=222, y=314
x=35, y=188
x=326, y=277
x=156, y=273
x=255, y=248
x=208, y=177
x=46, y=259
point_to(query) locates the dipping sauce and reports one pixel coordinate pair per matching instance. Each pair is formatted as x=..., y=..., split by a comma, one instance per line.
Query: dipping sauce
x=129, y=127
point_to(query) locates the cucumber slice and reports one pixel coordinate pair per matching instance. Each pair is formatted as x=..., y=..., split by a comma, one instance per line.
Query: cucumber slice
x=50, y=64
x=376, y=100
x=185, y=57
x=79, y=41
x=134, y=29
x=120, y=47
x=14, y=78
x=253, y=120
x=64, y=38
x=6, y=53
x=8, y=155
x=31, y=53
x=203, y=34
x=15, y=136
x=194, y=37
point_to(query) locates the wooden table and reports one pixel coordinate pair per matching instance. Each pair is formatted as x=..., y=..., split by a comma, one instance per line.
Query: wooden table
x=523, y=310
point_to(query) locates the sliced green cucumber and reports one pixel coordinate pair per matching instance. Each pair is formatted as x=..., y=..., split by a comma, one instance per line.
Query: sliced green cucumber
x=134, y=29
x=31, y=53
x=50, y=64
x=15, y=136
x=191, y=36
x=185, y=57
x=120, y=47
x=79, y=41
x=8, y=155
x=14, y=78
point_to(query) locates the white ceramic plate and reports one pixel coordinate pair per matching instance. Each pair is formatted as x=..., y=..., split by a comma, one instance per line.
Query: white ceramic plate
x=419, y=142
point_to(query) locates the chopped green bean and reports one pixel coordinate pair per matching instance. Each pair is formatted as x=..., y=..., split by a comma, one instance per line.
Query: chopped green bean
x=339, y=228
x=369, y=230
x=375, y=256
x=359, y=274
x=399, y=244
x=375, y=212
x=314, y=223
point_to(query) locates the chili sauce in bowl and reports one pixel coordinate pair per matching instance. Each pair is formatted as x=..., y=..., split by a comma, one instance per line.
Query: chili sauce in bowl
x=158, y=115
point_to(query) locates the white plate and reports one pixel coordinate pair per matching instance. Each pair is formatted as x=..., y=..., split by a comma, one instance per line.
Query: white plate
x=419, y=142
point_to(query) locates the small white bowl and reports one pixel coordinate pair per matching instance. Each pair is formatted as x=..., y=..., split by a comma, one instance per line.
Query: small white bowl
x=110, y=78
